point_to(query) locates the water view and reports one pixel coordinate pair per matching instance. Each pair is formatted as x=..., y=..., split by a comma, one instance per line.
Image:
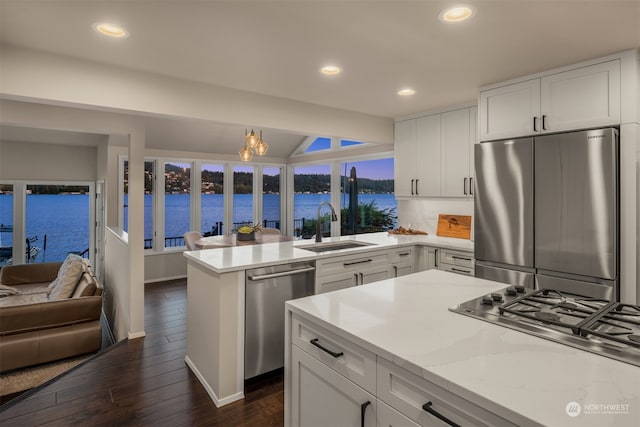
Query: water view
x=63, y=219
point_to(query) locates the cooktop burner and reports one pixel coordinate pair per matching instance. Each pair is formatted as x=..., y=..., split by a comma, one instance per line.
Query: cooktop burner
x=607, y=328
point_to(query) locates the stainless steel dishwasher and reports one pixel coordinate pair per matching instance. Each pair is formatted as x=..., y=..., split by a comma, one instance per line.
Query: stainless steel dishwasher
x=266, y=290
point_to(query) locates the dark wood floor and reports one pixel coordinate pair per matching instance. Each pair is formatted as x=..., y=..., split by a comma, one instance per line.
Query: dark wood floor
x=146, y=382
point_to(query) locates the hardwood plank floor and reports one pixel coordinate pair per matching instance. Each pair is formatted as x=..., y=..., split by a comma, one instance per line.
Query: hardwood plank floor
x=146, y=382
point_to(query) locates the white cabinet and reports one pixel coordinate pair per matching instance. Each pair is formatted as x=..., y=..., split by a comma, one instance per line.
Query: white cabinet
x=333, y=381
x=428, y=258
x=582, y=98
x=457, y=139
x=417, y=157
x=456, y=261
x=434, y=154
x=402, y=261
x=322, y=397
x=346, y=271
x=425, y=403
x=389, y=417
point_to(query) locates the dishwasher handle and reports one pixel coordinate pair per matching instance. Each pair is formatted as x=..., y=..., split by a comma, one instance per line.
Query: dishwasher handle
x=282, y=273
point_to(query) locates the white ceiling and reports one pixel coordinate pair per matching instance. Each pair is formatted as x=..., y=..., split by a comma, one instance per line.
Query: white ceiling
x=277, y=47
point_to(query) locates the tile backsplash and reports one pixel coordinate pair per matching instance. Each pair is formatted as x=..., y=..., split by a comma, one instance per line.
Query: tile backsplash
x=423, y=214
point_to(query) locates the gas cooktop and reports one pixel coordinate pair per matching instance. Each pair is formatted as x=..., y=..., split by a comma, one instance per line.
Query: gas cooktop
x=606, y=328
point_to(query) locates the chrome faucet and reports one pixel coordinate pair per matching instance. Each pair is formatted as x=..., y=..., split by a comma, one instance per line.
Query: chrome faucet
x=334, y=217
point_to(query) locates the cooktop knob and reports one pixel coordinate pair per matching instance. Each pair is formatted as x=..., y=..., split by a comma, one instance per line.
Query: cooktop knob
x=487, y=300
x=496, y=297
x=511, y=290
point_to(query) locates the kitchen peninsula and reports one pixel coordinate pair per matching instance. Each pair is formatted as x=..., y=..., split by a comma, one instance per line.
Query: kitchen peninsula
x=398, y=352
x=216, y=292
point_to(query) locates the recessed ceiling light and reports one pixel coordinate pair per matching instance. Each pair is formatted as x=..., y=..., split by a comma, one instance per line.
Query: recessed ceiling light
x=330, y=70
x=406, y=92
x=111, y=30
x=457, y=13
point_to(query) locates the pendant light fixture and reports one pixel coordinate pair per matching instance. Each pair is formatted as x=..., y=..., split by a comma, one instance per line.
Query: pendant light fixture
x=253, y=143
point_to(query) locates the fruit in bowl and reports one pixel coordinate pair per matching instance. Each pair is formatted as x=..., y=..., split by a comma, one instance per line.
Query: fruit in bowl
x=248, y=232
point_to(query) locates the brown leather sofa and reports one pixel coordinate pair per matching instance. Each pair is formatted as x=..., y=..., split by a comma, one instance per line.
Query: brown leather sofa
x=34, y=328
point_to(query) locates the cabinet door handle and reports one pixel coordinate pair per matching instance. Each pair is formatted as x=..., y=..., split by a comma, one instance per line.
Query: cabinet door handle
x=412, y=186
x=544, y=119
x=363, y=411
x=464, y=187
x=471, y=186
x=395, y=271
x=417, y=193
x=535, y=124
x=326, y=350
x=364, y=261
x=436, y=260
x=427, y=407
x=361, y=278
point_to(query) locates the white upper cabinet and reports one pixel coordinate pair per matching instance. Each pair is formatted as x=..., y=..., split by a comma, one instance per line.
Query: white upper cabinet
x=434, y=154
x=405, y=157
x=509, y=111
x=582, y=98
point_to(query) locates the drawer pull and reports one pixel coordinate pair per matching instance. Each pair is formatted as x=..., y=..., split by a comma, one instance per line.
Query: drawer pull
x=363, y=410
x=461, y=258
x=460, y=271
x=326, y=350
x=427, y=407
x=404, y=254
x=346, y=264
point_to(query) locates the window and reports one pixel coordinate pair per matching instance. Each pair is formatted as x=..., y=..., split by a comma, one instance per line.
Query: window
x=348, y=143
x=242, y=195
x=177, y=203
x=271, y=197
x=367, y=202
x=148, y=201
x=311, y=186
x=212, y=199
x=56, y=221
x=6, y=223
x=321, y=143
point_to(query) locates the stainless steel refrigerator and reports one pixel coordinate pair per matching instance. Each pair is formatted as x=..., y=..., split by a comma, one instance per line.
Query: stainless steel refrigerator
x=546, y=212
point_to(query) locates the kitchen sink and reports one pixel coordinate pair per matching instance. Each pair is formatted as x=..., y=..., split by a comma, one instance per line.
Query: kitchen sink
x=333, y=246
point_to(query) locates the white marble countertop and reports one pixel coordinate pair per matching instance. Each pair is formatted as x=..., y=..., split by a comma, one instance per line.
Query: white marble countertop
x=224, y=260
x=513, y=374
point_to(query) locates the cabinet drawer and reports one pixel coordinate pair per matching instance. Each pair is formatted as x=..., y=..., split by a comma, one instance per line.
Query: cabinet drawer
x=389, y=417
x=333, y=282
x=455, y=269
x=401, y=255
x=462, y=259
x=348, y=359
x=345, y=264
x=408, y=393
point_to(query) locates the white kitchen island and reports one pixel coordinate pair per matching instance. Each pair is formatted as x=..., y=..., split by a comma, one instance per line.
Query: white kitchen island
x=401, y=348
x=216, y=300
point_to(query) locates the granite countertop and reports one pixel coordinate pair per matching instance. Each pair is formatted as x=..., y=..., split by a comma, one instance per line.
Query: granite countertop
x=238, y=258
x=521, y=377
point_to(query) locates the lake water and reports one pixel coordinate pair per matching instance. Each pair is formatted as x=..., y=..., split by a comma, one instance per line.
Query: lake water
x=64, y=219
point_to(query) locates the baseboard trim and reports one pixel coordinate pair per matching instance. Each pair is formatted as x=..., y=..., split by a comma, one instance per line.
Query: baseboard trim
x=134, y=335
x=216, y=400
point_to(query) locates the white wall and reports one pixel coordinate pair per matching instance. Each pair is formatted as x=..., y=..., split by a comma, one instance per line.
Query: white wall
x=423, y=214
x=117, y=303
x=164, y=266
x=38, y=161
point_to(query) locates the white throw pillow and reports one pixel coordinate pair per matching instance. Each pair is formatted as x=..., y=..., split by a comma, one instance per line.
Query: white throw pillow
x=68, y=275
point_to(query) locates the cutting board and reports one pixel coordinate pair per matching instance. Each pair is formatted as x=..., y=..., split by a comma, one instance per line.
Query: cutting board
x=458, y=226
